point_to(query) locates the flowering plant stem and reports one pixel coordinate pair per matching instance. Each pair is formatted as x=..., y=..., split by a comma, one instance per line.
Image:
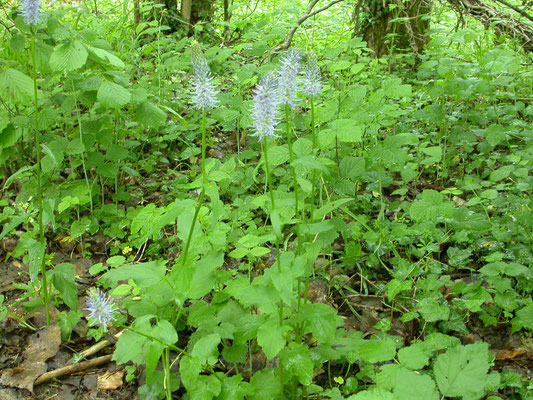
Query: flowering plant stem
x=202, y=193
x=313, y=182
x=294, y=179
x=44, y=285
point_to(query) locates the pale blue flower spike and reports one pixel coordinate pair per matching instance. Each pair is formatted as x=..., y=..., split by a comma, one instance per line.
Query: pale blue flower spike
x=266, y=103
x=288, y=82
x=204, y=93
x=31, y=11
x=101, y=308
x=311, y=84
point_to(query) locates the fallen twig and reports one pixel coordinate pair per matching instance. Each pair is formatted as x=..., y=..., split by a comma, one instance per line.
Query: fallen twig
x=71, y=369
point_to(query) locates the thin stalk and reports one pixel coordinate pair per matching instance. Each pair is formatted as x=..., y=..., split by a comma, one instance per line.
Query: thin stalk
x=89, y=187
x=294, y=179
x=166, y=367
x=278, y=253
x=313, y=182
x=202, y=193
x=44, y=284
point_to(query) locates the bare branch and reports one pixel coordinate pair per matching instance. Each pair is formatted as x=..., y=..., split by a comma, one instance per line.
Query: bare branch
x=308, y=14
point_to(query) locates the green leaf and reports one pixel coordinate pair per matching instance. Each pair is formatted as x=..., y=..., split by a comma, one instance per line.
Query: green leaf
x=431, y=206
x=111, y=95
x=150, y=116
x=414, y=386
x=378, y=350
x=347, y=130
x=203, y=278
x=206, y=349
x=501, y=173
x=296, y=360
x=271, y=338
x=416, y=356
x=322, y=321
x=329, y=207
x=106, y=56
x=432, y=311
x=393, y=88
x=462, y=371
x=64, y=280
x=277, y=155
x=68, y=57
x=374, y=394
x=144, y=274
x=17, y=84
x=352, y=167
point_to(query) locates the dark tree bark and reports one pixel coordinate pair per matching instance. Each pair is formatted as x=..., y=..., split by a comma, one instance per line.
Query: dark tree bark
x=504, y=23
x=403, y=26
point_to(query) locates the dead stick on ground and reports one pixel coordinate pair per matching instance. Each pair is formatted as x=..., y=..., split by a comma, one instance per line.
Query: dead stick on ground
x=71, y=369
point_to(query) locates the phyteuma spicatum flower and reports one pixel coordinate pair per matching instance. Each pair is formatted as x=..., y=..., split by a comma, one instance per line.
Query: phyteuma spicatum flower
x=311, y=83
x=266, y=103
x=204, y=93
x=101, y=308
x=31, y=11
x=288, y=72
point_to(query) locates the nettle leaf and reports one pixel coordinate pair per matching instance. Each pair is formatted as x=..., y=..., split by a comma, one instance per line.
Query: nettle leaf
x=277, y=155
x=393, y=88
x=322, y=321
x=111, y=95
x=431, y=206
x=347, y=130
x=503, y=268
x=150, y=116
x=432, y=311
x=17, y=84
x=352, y=167
x=414, y=386
x=64, y=280
x=416, y=356
x=462, y=371
x=206, y=349
x=378, y=350
x=296, y=359
x=144, y=274
x=271, y=337
x=108, y=57
x=374, y=394
x=68, y=57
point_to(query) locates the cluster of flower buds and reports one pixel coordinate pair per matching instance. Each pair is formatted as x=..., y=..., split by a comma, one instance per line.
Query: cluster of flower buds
x=31, y=11
x=273, y=91
x=204, y=93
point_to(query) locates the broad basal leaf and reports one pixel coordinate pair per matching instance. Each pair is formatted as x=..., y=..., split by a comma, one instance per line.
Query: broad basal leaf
x=462, y=371
x=68, y=57
x=111, y=95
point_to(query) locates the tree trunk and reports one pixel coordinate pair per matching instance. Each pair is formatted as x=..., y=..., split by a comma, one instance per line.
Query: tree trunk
x=395, y=25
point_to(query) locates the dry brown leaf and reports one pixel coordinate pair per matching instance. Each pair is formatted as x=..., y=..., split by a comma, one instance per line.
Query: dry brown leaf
x=110, y=380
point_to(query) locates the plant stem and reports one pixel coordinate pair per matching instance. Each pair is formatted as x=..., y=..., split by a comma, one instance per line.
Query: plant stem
x=294, y=179
x=44, y=284
x=313, y=182
x=202, y=193
x=278, y=253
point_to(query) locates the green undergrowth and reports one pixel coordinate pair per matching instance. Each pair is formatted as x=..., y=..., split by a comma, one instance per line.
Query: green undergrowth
x=422, y=203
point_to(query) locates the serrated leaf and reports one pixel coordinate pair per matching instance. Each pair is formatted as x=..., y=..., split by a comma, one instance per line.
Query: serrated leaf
x=270, y=336
x=68, y=57
x=64, y=280
x=296, y=359
x=378, y=350
x=107, y=57
x=206, y=349
x=347, y=130
x=416, y=356
x=462, y=371
x=414, y=386
x=322, y=321
x=150, y=116
x=17, y=84
x=111, y=95
x=144, y=274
